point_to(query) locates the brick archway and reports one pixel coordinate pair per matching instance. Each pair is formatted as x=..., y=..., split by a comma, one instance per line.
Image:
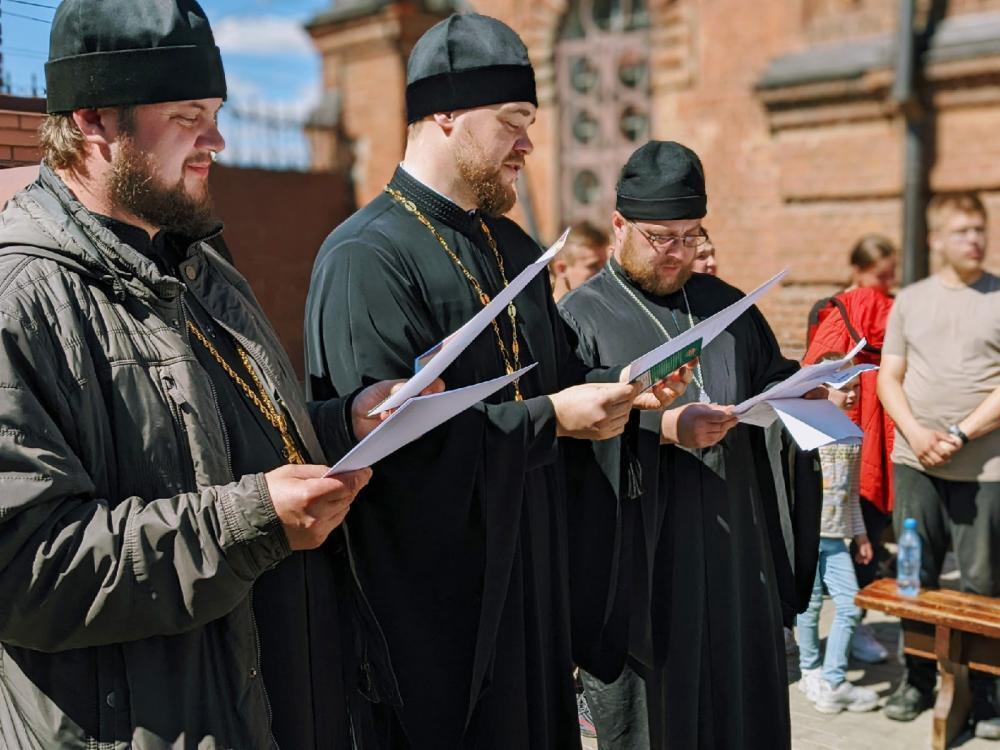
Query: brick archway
x=671, y=63
x=670, y=40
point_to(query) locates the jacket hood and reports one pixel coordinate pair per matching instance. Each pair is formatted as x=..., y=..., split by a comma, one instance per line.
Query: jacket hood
x=46, y=220
x=868, y=313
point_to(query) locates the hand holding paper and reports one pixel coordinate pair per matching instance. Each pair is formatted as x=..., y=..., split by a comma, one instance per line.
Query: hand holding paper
x=374, y=395
x=593, y=411
x=666, y=390
x=696, y=425
x=416, y=417
x=311, y=504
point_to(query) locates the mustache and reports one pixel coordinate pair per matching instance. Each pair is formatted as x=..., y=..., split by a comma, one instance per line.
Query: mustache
x=199, y=161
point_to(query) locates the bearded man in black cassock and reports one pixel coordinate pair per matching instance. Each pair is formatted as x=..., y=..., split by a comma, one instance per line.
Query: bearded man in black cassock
x=706, y=659
x=461, y=537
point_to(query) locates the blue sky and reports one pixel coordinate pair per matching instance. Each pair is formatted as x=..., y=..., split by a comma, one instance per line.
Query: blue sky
x=270, y=65
x=268, y=57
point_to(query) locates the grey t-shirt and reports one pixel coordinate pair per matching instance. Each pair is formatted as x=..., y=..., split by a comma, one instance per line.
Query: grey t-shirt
x=950, y=338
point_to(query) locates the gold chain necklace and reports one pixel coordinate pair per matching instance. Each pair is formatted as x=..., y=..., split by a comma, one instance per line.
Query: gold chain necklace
x=513, y=364
x=261, y=400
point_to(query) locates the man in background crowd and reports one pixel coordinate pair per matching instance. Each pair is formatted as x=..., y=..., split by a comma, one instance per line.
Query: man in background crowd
x=940, y=383
x=705, y=260
x=583, y=255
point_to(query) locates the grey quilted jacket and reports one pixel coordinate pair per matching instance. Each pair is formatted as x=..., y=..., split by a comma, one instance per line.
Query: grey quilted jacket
x=127, y=548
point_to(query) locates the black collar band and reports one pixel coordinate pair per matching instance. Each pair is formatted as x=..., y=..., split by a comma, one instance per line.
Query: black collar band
x=433, y=204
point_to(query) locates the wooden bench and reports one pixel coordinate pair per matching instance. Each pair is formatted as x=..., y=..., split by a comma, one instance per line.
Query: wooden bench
x=960, y=631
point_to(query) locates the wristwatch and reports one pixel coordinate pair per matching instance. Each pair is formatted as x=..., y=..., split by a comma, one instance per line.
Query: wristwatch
x=957, y=432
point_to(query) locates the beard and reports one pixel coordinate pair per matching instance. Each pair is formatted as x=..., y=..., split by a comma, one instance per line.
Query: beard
x=644, y=274
x=493, y=197
x=136, y=187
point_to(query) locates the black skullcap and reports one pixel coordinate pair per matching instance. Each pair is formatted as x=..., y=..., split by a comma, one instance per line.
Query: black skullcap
x=467, y=61
x=109, y=53
x=662, y=181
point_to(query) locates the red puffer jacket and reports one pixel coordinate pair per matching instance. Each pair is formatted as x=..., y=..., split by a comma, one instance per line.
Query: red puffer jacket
x=868, y=313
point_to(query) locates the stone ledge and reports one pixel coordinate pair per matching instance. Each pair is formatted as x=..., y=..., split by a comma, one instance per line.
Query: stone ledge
x=958, y=38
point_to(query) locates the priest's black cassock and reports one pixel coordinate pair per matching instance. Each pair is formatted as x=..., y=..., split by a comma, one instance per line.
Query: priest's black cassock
x=460, y=538
x=707, y=610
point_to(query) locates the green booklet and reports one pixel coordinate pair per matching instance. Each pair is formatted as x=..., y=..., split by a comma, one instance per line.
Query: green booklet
x=660, y=370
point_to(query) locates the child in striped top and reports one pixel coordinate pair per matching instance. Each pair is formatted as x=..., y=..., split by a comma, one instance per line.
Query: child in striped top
x=825, y=683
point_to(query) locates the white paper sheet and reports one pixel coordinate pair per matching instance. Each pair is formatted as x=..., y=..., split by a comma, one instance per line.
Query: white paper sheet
x=811, y=422
x=842, y=378
x=803, y=381
x=815, y=422
x=760, y=415
x=456, y=343
x=706, y=330
x=416, y=417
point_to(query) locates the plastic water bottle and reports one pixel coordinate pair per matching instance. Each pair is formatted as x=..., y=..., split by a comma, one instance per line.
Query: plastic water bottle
x=908, y=560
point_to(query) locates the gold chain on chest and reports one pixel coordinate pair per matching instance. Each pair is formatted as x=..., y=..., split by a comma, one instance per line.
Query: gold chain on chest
x=260, y=399
x=511, y=357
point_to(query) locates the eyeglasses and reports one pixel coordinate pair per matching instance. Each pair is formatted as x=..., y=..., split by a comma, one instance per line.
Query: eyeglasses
x=663, y=241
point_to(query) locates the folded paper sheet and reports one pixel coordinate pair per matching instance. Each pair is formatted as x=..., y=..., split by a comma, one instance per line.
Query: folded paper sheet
x=806, y=379
x=448, y=350
x=817, y=422
x=811, y=422
x=415, y=418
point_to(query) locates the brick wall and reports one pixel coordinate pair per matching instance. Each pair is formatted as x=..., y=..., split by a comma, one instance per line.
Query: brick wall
x=19, y=120
x=275, y=224
x=364, y=58
x=795, y=176
x=794, y=185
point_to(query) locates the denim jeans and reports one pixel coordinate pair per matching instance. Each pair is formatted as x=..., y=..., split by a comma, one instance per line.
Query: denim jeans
x=836, y=570
x=619, y=711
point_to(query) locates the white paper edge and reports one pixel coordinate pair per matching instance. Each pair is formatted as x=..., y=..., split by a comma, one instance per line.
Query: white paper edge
x=499, y=383
x=729, y=314
x=459, y=340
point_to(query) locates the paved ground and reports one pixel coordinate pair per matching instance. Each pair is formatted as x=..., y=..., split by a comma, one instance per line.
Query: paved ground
x=812, y=730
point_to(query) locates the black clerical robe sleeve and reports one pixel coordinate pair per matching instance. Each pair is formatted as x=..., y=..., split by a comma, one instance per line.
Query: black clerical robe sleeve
x=602, y=481
x=331, y=419
x=372, y=318
x=798, y=483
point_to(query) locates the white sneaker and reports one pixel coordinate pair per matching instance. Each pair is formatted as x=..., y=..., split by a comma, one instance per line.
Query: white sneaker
x=988, y=729
x=791, y=647
x=809, y=683
x=865, y=647
x=833, y=700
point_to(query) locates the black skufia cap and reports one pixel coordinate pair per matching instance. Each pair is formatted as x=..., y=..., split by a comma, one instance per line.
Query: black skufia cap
x=109, y=53
x=465, y=61
x=662, y=181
